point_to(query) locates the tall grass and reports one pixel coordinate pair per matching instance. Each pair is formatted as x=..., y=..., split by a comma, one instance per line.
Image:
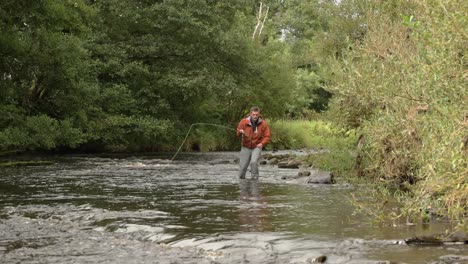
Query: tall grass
x=404, y=86
x=338, y=145
x=294, y=134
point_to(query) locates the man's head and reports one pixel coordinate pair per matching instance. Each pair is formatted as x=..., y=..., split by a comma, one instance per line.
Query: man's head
x=255, y=112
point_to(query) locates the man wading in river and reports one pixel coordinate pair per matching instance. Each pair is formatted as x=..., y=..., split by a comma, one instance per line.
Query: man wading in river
x=255, y=134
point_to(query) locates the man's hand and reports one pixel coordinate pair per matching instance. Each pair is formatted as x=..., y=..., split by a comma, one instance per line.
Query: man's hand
x=241, y=131
x=260, y=145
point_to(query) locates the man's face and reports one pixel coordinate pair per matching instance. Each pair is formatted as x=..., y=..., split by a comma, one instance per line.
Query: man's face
x=254, y=115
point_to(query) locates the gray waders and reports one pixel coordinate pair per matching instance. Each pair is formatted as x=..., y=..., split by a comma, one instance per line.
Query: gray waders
x=249, y=157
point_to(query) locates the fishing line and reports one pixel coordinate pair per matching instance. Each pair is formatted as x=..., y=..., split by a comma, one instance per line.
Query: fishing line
x=188, y=133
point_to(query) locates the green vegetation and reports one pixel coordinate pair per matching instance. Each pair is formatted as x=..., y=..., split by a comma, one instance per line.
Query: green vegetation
x=293, y=134
x=336, y=146
x=124, y=76
x=120, y=75
x=404, y=87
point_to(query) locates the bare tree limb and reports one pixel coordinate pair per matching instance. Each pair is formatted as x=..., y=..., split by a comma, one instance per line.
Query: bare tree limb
x=261, y=18
x=259, y=15
x=263, y=22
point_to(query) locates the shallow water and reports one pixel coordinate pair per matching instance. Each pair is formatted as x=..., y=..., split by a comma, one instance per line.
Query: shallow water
x=145, y=209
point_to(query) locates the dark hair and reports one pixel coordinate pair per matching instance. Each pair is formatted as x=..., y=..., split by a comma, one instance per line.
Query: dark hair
x=254, y=109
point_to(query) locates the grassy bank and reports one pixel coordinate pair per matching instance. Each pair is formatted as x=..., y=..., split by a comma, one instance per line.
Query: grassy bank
x=404, y=87
x=338, y=145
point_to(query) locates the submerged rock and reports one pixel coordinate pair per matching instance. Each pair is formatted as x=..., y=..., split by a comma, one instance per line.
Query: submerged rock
x=221, y=161
x=303, y=173
x=454, y=259
x=26, y=163
x=273, y=161
x=290, y=164
x=311, y=176
x=458, y=237
x=321, y=259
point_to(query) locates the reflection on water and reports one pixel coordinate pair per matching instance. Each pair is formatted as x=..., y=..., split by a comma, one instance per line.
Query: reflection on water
x=193, y=210
x=254, y=213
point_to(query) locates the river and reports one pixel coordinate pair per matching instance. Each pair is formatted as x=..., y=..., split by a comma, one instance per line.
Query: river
x=148, y=209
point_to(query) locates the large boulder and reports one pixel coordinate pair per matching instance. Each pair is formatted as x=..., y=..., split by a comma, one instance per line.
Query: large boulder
x=320, y=177
x=302, y=174
x=312, y=176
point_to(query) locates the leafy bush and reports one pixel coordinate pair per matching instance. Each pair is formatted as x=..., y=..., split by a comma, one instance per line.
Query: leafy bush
x=35, y=132
x=132, y=133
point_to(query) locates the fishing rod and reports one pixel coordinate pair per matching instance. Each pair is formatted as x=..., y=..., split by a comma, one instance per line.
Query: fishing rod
x=188, y=133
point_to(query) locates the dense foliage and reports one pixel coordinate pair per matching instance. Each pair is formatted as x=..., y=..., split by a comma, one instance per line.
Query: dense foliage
x=404, y=87
x=126, y=75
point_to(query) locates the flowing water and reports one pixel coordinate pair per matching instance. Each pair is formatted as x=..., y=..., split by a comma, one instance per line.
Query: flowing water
x=146, y=209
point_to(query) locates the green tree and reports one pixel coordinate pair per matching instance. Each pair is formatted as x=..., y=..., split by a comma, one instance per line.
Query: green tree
x=131, y=75
x=315, y=32
x=186, y=61
x=45, y=80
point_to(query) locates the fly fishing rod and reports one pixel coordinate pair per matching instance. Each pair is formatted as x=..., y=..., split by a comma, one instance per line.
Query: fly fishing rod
x=188, y=133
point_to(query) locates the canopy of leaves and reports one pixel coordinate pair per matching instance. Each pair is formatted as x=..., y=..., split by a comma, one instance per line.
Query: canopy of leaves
x=123, y=74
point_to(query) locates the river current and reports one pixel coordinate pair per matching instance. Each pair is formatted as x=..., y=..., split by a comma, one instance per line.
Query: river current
x=148, y=209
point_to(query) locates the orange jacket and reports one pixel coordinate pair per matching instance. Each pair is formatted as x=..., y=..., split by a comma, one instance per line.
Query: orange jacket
x=252, y=138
